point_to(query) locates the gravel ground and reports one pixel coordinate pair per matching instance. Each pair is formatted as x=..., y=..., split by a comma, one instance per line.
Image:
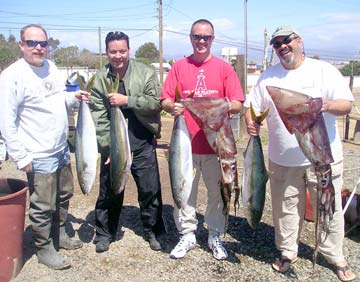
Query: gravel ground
x=130, y=258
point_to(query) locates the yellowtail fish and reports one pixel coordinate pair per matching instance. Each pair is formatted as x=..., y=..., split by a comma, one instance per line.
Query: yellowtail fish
x=86, y=150
x=120, y=153
x=255, y=176
x=180, y=162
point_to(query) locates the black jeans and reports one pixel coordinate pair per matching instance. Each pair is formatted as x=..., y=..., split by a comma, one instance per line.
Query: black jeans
x=145, y=171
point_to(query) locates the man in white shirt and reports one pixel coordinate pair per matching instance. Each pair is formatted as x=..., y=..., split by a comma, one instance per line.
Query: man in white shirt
x=291, y=173
x=34, y=124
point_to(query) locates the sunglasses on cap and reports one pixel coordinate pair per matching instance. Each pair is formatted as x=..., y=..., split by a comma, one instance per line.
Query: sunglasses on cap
x=198, y=37
x=34, y=43
x=287, y=40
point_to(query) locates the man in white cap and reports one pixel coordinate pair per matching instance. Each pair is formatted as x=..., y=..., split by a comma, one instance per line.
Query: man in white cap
x=291, y=173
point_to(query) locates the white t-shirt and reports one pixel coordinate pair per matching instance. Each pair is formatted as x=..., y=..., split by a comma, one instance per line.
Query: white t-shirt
x=33, y=114
x=314, y=78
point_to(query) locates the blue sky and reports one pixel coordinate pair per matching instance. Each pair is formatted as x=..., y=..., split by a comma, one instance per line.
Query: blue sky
x=330, y=28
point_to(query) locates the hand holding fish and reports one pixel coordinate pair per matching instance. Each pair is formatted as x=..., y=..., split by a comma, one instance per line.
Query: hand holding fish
x=253, y=128
x=116, y=99
x=254, y=121
x=178, y=109
x=325, y=105
x=83, y=95
x=338, y=107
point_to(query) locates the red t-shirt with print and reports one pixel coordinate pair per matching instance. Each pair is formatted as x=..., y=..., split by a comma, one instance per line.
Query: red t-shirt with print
x=213, y=78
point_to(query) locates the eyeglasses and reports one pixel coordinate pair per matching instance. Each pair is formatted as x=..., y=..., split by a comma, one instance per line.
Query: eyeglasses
x=287, y=40
x=198, y=37
x=34, y=43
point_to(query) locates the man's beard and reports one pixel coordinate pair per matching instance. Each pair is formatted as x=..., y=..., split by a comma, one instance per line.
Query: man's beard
x=287, y=60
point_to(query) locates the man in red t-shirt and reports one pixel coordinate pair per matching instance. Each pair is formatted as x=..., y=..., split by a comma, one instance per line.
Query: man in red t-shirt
x=201, y=75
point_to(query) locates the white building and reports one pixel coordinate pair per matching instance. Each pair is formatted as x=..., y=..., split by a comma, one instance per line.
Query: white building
x=229, y=53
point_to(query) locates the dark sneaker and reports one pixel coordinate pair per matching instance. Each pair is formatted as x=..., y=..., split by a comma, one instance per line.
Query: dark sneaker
x=153, y=242
x=102, y=246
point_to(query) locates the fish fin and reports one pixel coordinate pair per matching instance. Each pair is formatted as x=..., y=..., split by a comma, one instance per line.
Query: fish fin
x=107, y=84
x=252, y=112
x=263, y=115
x=116, y=84
x=258, y=118
x=80, y=81
x=90, y=83
x=115, y=87
x=177, y=93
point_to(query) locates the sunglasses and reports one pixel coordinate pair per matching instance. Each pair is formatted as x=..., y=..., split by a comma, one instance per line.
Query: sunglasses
x=198, y=37
x=34, y=43
x=287, y=40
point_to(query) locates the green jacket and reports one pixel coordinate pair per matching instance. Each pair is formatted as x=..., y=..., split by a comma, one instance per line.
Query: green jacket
x=143, y=90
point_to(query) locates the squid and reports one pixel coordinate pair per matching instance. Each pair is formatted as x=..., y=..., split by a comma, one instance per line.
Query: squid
x=212, y=116
x=301, y=115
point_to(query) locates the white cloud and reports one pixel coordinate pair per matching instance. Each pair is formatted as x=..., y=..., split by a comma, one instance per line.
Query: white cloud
x=223, y=24
x=340, y=16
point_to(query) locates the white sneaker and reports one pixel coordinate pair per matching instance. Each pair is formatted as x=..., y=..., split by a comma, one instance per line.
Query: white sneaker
x=185, y=244
x=215, y=244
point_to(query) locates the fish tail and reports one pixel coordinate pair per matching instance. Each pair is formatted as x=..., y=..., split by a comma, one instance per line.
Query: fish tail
x=258, y=118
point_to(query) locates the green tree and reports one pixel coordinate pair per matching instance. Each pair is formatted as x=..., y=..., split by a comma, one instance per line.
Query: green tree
x=147, y=53
x=12, y=39
x=352, y=66
x=8, y=55
x=88, y=59
x=2, y=40
x=67, y=57
x=9, y=51
x=53, y=44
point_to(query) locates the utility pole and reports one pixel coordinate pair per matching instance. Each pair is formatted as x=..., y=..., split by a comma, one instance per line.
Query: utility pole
x=161, y=43
x=246, y=45
x=272, y=57
x=100, y=52
x=266, y=44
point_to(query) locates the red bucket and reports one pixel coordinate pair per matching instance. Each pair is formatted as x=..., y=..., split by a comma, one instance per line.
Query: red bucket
x=309, y=212
x=12, y=219
x=351, y=216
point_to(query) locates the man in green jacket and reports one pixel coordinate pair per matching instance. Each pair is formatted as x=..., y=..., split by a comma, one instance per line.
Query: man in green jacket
x=138, y=97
